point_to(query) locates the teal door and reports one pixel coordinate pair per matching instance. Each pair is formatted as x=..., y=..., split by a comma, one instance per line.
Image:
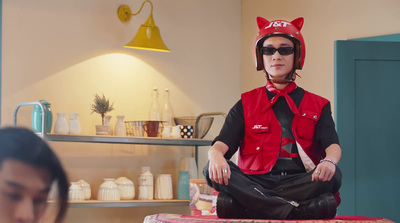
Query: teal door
x=367, y=114
x=1, y=13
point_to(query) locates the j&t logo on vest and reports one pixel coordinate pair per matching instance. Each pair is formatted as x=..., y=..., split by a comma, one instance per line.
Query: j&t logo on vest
x=260, y=127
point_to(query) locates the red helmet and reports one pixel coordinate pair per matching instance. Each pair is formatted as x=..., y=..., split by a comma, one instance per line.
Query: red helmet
x=290, y=30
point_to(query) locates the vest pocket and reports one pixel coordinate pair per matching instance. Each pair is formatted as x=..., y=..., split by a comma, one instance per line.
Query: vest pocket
x=251, y=157
x=306, y=124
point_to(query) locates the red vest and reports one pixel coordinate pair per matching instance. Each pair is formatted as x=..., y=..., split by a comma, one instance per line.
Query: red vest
x=261, y=145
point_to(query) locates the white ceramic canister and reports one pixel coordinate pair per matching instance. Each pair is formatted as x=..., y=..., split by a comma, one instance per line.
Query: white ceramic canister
x=75, y=192
x=108, y=190
x=163, y=187
x=126, y=188
x=166, y=133
x=143, y=192
x=86, y=189
x=61, y=125
x=146, y=180
x=73, y=123
x=176, y=132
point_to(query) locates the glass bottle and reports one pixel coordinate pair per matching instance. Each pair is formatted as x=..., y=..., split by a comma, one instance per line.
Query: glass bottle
x=107, y=122
x=167, y=112
x=155, y=110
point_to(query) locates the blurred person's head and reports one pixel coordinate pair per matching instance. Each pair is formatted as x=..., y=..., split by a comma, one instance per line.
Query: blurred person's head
x=28, y=167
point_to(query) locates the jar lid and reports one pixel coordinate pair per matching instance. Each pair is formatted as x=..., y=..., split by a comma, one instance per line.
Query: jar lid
x=145, y=169
x=44, y=102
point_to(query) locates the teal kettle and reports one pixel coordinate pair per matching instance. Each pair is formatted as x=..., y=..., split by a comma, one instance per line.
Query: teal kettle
x=37, y=115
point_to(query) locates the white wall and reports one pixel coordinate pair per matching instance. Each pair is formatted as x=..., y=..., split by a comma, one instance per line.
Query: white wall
x=66, y=51
x=325, y=22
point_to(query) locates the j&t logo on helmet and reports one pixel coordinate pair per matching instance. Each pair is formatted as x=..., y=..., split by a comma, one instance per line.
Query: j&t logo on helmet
x=277, y=24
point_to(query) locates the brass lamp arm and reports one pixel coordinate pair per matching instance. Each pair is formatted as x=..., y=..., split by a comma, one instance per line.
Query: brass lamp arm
x=125, y=13
x=151, y=12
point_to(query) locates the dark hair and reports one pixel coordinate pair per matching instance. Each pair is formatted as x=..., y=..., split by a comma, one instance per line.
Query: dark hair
x=24, y=145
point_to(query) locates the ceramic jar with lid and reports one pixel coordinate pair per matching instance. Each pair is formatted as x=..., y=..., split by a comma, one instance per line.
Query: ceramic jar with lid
x=86, y=189
x=75, y=192
x=108, y=190
x=146, y=189
x=126, y=188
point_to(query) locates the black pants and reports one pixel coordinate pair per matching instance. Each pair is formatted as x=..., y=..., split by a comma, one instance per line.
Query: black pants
x=272, y=196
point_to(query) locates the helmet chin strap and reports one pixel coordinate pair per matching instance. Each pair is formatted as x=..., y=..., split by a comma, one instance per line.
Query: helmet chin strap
x=289, y=78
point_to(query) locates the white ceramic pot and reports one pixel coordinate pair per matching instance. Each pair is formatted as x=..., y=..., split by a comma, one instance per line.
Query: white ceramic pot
x=74, y=124
x=86, y=189
x=108, y=190
x=120, y=129
x=176, y=132
x=166, y=133
x=102, y=129
x=75, y=192
x=126, y=188
x=61, y=125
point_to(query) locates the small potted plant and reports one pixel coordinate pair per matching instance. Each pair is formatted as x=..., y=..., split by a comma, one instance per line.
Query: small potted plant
x=101, y=106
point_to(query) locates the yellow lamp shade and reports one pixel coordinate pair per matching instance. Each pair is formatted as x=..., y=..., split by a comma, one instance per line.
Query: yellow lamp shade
x=148, y=37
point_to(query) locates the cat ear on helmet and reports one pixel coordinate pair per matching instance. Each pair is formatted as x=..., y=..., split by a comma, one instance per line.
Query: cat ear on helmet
x=261, y=22
x=298, y=23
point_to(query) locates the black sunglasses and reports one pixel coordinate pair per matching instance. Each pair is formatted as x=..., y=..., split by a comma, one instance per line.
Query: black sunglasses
x=285, y=50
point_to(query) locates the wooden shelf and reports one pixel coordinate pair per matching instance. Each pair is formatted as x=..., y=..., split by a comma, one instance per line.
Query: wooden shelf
x=127, y=203
x=128, y=140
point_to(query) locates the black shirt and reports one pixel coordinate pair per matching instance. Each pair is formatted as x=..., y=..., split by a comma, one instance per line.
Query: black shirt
x=232, y=132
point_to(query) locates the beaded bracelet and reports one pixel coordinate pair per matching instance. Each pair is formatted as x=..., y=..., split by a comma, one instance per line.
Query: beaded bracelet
x=328, y=160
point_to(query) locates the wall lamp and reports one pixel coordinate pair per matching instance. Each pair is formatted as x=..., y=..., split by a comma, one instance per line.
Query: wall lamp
x=148, y=37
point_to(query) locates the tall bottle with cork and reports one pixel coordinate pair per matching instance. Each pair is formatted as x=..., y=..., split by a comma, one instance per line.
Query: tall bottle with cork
x=167, y=112
x=155, y=110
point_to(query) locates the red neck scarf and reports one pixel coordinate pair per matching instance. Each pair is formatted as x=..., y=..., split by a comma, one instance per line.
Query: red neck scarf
x=284, y=92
